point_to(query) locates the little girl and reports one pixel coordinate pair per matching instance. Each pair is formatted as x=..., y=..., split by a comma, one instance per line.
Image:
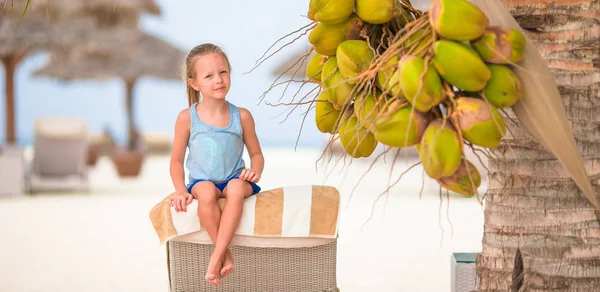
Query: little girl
x=215, y=132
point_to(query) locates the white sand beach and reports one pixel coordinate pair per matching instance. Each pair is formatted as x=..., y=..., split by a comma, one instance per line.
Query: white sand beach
x=103, y=240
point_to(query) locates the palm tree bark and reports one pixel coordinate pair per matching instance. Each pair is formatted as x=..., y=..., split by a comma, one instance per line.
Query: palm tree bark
x=540, y=232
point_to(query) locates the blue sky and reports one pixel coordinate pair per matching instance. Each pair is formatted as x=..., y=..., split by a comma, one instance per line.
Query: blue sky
x=244, y=29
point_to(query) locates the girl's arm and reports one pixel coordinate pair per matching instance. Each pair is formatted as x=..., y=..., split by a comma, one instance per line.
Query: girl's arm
x=182, y=134
x=257, y=161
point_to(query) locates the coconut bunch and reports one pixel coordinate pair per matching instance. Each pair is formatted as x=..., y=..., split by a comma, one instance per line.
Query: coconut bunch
x=433, y=80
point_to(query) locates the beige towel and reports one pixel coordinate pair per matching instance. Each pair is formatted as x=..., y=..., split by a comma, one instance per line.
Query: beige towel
x=297, y=211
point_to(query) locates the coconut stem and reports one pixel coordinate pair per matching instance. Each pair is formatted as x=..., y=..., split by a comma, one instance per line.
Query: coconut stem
x=454, y=120
x=415, y=44
x=424, y=48
x=475, y=150
x=450, y=93
x=408, y=6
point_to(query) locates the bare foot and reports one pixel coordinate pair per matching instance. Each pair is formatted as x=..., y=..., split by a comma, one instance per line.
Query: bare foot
x=227, y=264
x=212, y=272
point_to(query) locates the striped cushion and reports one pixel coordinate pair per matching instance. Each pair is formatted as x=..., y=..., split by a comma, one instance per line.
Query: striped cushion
x=297, y=211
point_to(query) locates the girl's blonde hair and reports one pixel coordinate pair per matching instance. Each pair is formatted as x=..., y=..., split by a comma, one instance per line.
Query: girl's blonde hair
x=190, y=60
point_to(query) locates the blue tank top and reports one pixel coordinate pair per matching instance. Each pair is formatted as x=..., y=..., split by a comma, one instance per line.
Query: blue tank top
x=215, y=153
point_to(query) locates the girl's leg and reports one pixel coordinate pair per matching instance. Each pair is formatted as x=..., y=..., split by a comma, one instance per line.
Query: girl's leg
x=235, y=192
x=209, y=214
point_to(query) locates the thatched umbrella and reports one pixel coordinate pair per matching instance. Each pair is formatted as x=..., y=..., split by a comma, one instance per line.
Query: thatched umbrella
x=149, y=57
x=70, y=7
x=55, y=25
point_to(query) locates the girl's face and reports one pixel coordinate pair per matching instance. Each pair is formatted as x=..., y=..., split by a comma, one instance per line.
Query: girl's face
x=211, y=76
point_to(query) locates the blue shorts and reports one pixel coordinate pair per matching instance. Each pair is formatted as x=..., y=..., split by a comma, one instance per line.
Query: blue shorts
x=221, y=186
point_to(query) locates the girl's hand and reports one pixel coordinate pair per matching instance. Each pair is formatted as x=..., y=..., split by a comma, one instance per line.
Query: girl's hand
x=180, y=201
x=250, y=175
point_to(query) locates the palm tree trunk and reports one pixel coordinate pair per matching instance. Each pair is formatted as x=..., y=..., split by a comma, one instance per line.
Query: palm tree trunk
x=540, y=232
x=10, y=63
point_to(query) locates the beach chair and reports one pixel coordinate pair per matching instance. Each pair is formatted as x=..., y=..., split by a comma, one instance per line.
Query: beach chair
x=286, y=241
x=59, y=158
x=12, y=170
